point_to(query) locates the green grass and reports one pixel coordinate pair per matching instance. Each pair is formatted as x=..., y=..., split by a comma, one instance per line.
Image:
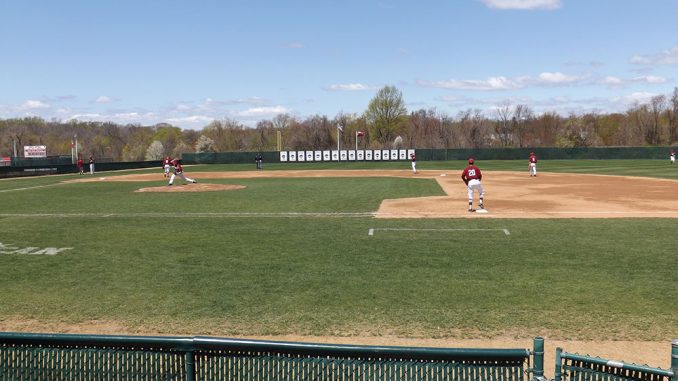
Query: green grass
x=176, y=274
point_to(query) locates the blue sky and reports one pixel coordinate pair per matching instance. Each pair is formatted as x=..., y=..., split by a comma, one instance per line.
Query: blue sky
x=190, y=62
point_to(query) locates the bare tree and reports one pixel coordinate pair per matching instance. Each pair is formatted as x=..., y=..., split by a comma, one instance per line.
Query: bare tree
x=473, y=125
x=673, y=117
x=657, y=107
x=503, y=126
x=522, y=116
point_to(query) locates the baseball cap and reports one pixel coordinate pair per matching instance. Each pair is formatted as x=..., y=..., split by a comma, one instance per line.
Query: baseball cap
x=470, y=160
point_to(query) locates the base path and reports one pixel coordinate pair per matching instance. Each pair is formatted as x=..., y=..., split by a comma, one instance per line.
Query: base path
x=507, y=194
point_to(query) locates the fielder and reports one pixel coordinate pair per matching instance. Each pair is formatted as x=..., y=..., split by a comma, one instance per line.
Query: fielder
x=532, y=166
x=672, y=157
x=414, y=163
x=179, y=171
x=166, y=165
x=472, y=176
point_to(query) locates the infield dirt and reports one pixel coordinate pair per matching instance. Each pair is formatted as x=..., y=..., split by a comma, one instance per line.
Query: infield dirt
x=507, y=194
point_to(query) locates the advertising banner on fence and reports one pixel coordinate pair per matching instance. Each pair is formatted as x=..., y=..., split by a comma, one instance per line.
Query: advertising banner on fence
x=35, y=151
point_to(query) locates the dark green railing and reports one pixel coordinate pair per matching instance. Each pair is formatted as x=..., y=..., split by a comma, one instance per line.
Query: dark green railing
x=85, y=357
x=94, y=357
x=575, y=367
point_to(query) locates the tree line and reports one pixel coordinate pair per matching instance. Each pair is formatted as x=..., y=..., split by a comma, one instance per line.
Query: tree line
x=386, y=123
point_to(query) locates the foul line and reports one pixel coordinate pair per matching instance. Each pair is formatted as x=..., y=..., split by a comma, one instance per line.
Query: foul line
x=28, y=188
x=372, y=230
x=189, y=215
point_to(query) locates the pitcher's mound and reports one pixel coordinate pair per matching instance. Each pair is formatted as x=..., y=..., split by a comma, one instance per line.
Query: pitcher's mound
x=192, y=188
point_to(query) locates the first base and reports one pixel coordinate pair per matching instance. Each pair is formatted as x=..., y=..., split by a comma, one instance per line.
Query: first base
x=481, y=210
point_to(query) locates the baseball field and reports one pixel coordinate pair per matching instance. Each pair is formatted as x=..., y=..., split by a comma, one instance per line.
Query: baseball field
x=584, y=255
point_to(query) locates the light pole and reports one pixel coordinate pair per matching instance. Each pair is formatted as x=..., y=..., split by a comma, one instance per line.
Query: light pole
x=339, y=131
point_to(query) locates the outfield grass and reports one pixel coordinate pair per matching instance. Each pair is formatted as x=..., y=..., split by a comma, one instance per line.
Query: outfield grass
x=179, y=274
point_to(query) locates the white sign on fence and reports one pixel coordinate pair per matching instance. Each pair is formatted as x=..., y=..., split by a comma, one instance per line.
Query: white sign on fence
x=35, y=151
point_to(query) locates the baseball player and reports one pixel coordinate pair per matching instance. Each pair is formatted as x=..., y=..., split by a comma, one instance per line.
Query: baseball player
x=472, y=177
x=532, y=166
x=91, y=165
x=179, y=171
x=672, y=157
x=414, y=162
x=166, y=164
x=80, y=164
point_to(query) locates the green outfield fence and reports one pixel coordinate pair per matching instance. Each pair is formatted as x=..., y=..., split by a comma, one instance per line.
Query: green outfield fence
x=26, y=356
x=86, y=357
x=545, y=153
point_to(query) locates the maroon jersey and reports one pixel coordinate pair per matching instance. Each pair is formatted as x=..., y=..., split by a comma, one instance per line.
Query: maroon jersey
x=413, y=157
x=471, y=172
x=178, y=168
x=533, y=159
x=167, y=161
x=80, y=163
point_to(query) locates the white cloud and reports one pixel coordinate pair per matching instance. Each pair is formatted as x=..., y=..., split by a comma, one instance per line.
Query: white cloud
x=620, y=82
x=192, y=119
x=638, y=97
x=492, y=83
x=348, y=87
x=665, y=57
x=556, y=78
x=612, y=81
x=33, y=105
x=503, y=83
x=104, y=99
x=264, y=111
x=523, y=4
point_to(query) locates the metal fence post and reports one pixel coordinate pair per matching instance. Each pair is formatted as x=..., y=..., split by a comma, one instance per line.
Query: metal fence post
x=559, y=366
x=190, y=366
x=674, y=359
x=538, y=355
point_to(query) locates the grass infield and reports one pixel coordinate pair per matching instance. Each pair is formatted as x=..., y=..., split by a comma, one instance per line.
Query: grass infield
x=177, y=263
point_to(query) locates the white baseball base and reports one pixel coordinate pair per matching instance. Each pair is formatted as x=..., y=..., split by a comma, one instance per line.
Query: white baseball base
x=481, y=210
